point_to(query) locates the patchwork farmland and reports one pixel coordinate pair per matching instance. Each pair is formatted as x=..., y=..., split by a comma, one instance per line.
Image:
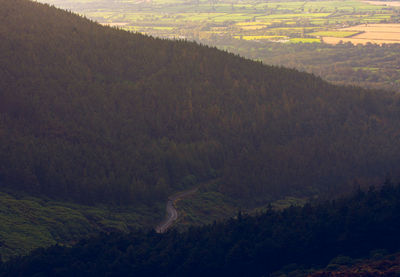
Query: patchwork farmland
x=279, y=21
x=368, y=33
x=298, y=34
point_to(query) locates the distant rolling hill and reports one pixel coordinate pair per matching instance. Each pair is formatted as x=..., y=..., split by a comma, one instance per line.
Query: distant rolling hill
x=94, y=114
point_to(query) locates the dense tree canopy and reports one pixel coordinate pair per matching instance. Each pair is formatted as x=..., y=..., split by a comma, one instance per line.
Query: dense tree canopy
x=368, y=66
x=246, y=246
x=96, y=114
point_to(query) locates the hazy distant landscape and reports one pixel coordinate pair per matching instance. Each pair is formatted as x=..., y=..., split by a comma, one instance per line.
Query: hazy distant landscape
x=274, y=32
x=281, y=21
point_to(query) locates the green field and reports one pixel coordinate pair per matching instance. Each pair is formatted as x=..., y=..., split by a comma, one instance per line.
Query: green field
x=274, y=38
x=247, y=20
x=208, y=205
x=304, y=40
x=336, y=34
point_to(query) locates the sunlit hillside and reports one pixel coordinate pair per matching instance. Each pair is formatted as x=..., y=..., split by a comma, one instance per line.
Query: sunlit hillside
x=302, y=35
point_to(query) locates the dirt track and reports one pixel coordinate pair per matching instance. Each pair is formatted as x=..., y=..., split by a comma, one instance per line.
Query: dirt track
x=172, y=213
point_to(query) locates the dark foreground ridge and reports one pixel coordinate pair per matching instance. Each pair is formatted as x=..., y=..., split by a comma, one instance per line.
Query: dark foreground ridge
x=99, y=115
x=302, y=237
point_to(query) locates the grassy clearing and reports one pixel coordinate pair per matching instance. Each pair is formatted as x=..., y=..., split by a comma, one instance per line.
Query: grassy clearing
x=204, y=208
x=208, y=205
x=28, y=222
x=282, y=204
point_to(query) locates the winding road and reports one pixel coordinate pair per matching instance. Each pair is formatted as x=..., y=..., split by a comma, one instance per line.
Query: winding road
x=172, y=213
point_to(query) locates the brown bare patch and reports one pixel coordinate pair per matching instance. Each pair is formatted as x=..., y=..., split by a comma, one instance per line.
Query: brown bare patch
x=372, y=33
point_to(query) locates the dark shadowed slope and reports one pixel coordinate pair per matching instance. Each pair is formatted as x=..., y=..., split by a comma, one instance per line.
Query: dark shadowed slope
x=94, y=114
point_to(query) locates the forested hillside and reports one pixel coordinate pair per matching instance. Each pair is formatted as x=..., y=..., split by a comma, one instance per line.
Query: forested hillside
x=368, y=66
x=94, y=114
x=290, y=240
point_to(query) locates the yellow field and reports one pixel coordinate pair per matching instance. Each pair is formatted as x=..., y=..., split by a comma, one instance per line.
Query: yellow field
x=373, y=33
x=253, y=27
x=379, y=36
x=384, y=3
x=390, y=28
x=115, y=24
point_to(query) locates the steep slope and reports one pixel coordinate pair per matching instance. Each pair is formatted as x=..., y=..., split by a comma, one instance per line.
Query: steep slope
x=94, y=114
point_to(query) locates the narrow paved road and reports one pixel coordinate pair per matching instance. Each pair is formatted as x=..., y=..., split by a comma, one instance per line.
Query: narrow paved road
x=172, y=213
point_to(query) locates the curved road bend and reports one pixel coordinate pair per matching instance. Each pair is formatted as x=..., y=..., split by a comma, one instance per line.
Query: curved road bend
x=172, y=213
